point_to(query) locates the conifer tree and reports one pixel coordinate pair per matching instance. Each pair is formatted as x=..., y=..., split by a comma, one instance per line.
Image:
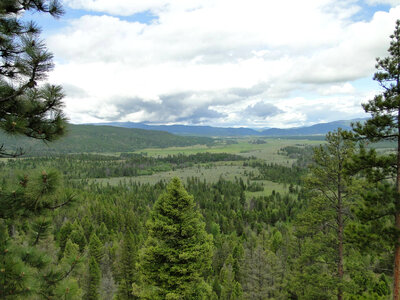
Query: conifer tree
x=329, y=208
x=93, y=283
x=261, y=275
x=177, y=253
x=27, y=269
x=96, y=248
x=230, y=288
x=64, y=234
x=27, y=108
x=126, y=267
x=77, y=235
x=15, y=275
x=382, y=200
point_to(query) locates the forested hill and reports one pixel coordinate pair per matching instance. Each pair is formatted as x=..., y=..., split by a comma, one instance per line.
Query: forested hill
x=188, y=130
x=89, y=138
x=316, y=129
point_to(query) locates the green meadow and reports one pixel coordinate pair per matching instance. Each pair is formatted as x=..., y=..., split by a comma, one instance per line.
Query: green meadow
x=229, y=170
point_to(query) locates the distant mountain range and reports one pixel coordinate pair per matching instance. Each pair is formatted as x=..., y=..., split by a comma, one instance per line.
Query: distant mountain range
x=187, y=129
x=117, y=138
x=317, y=129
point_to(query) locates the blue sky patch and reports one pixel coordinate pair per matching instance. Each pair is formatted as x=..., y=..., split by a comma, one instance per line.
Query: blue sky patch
x=51, y=25
x=367, y=11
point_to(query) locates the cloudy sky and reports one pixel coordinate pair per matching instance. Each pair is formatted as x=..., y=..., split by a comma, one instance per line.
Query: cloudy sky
x=253, y=63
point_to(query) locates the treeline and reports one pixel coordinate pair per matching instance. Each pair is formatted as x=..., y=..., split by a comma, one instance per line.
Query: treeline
x=276, y=173
x=78, y=166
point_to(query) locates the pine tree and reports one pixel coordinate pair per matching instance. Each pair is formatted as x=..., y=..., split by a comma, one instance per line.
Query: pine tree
x=127, y=270
x=382, y=201
x=26, y=108
x=230, y=288
x=15, y=275
x=96, y=248
x=77, y=235
x=93, y=280
x=329, y=207
x=34, y=196
x=261, y=275
x=64, y=234
x=27, y=269
x=177, y=253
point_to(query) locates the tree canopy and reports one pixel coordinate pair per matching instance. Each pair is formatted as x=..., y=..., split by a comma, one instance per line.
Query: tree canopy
x=27, y=106
x=178, y=249
x=381, y=209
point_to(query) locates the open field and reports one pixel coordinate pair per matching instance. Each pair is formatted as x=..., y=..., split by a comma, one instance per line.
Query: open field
x=211, y=172
x=269, y=186
x=208, y=172
x=211, y=175
x=267, y=151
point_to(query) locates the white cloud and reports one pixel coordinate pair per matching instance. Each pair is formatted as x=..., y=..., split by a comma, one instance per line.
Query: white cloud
x=227, y=55
x=345, y=88
x=390, y=2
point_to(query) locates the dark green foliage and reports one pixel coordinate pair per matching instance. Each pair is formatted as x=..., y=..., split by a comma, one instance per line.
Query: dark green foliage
x=277, y=173
x=64, y=234
x=321, y=227
x=93, y=280
x=88, y=138
x=259, y=250
x=230, y=288
x=95, y=248
x=98, y=166
x=77, y=236
x=380, y=210
x=302, y=154
x=14, y=273
x=40, y=229
x=127, y=272
x=178, y=251
x=25, y=108
x=381, y=199
x=33, y=196
x=25, y=260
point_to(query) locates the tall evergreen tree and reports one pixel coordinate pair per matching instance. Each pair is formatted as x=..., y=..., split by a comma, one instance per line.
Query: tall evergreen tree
x=329, y=208
x=96, y=248
x=25, y=107
x=126, y=267
x=260, y=274
x=383, y=201
x=93, y=282
x=230, y=288
x=177, y=253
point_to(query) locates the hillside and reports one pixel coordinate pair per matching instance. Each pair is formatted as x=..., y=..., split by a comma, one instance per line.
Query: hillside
x=188, y=130
x=317, y=129
x=88, y=138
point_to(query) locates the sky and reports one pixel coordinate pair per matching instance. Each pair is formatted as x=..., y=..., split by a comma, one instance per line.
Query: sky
x=228, y=63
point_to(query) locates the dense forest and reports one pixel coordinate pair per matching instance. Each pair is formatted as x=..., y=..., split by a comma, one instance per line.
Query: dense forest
x=280, y=246
x=89, y=138
x=301, y=221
